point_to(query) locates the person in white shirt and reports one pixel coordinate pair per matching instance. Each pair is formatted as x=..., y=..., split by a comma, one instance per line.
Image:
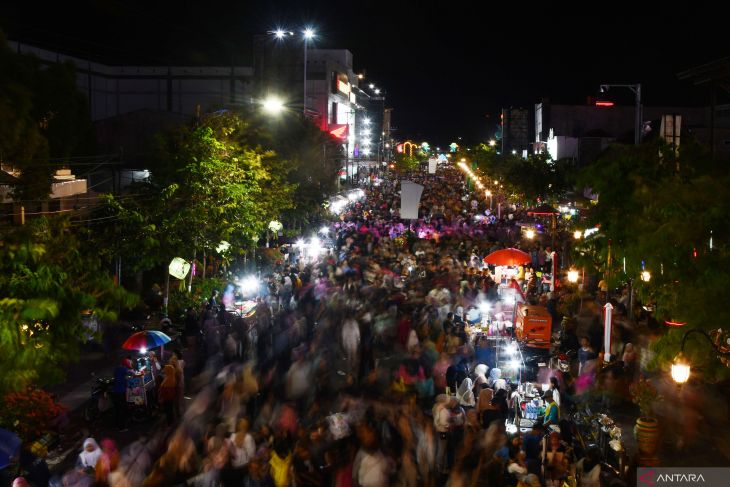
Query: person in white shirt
x=242, y=446
x=555, y=387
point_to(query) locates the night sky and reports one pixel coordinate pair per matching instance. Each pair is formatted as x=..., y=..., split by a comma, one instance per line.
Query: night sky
x=447, y=69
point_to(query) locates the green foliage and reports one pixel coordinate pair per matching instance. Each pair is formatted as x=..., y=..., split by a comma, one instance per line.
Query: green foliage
x=644, y=395
x=662, y=208
x=48, y=277
x=43, y=116
x=528, y=180
x=405, y=163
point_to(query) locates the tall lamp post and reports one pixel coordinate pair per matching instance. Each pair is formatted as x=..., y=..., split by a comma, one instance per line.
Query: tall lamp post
x=308, y=34
x=636, y=89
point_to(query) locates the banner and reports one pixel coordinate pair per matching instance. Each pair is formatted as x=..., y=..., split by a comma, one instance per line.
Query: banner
x=432, y=163
x=410, y=197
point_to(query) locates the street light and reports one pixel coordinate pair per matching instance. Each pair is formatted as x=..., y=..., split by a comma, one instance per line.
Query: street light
x=645, y=276
x=273, y=105
x=681, y=367
x=573, y=276
x=308, y=35
x=577, y=234
x=636, y=89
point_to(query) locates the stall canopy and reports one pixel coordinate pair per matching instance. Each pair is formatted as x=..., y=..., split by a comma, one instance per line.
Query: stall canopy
x=508, y=257
x=543, y=210
x=9, y=447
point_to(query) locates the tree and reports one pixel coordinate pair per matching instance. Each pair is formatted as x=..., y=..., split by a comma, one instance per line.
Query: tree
x=660, y=210
x=45, y=120
x=48, y=278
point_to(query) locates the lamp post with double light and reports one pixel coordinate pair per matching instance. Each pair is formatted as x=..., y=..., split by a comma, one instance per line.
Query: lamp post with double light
x=636, y=89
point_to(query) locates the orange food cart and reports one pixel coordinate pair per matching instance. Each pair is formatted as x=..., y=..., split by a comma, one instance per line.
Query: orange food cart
x=533, y=326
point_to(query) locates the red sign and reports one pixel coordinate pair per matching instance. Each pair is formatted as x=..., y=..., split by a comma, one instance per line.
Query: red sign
x=339, y=131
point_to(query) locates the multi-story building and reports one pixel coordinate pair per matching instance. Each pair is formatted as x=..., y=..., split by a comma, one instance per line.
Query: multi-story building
x=583, y=131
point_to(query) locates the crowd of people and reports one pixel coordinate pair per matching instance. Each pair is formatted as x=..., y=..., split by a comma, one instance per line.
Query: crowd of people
x=359, y=368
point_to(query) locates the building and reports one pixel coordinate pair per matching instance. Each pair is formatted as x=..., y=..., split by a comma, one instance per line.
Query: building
x=582, y=132
x=116, y=90
x=515, y=131
x=68, y=193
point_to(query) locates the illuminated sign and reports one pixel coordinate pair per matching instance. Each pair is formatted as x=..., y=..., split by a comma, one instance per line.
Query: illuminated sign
x=353, y=100
x=343, y=86
x=339, y=131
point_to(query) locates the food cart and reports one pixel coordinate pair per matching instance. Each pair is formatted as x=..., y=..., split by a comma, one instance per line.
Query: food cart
x=533, y=326
x=140, y=385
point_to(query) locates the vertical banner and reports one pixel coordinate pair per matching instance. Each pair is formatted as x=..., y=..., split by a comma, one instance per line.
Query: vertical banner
x=432, y=163
x=410, y=197
x=607, y=324
x=554, y=270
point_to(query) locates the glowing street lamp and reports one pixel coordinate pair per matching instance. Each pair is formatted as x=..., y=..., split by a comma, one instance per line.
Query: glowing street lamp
x=492, y=143
x=530, y=234
x=680, y=369
x=577, y=234
x=645, y=276
x=718, y=340
x=573, y=276
x=273, y=105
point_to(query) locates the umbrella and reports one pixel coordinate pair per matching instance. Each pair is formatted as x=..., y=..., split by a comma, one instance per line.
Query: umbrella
x=146, y=339
x=508, y=257
x=9, y=447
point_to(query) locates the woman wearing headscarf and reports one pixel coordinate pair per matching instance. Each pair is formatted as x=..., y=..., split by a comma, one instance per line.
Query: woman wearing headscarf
x=480, y=373
x=486, y=411
x=465, y=393
x=89, y=456
x=168, y=392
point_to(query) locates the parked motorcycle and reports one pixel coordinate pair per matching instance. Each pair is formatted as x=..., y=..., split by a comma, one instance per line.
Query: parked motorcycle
x=101, y=399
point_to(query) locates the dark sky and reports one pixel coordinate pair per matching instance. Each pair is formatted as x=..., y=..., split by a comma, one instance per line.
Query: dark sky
x=447, y=67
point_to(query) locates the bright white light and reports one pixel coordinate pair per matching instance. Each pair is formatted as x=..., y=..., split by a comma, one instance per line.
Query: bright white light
x=509, y=301
x=366, y=121
x=572, y=275
x=376, y=91
x=143, y=350
x=371, y=86
x=514, y=364
x=249, y=285
x=646, y=276
x=337, y=206
x=511, y=428
x=366, y=132
x=492, y=143
x=324, y=230
x=279, y=33
x=680, y=369
x=514, y=152
x=530, y=234
x=485, y=307
x=273, y=105
x=308, y=33
x=366, y=152
x=545, y=387
x=511, y=348
x=299, y=243
x=577, y=234
x=315, y=242
x=352, y=196
x=387, y=146
x=590, y=232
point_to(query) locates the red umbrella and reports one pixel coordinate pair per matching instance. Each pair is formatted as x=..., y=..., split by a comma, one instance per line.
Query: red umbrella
x=508, y=257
